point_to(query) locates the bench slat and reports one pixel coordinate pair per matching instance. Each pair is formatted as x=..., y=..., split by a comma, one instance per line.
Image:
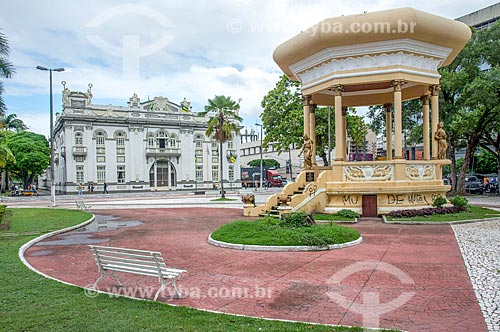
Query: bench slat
x=149, y=260
x=110, y=253
x=126, y=250
x=147, y=272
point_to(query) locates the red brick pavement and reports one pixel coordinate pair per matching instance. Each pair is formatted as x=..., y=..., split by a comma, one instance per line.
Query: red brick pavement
x=404, y=277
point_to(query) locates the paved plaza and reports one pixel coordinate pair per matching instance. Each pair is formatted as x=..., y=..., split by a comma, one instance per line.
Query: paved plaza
x=407, y=277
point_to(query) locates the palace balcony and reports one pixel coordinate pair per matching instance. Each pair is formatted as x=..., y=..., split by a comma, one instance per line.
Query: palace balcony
x=79, y=151
x=163, y=152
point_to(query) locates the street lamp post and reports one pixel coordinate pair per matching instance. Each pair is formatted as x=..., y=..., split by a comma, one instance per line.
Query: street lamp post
x=261, y=168
x=52, y=182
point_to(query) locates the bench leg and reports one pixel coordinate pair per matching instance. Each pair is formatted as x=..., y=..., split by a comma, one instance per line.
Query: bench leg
x=162, y=287
x=104, y=274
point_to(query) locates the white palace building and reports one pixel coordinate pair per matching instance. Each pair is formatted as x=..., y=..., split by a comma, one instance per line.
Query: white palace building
x=156, y=145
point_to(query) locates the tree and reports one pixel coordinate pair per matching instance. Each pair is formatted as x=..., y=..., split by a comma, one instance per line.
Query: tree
x=265, y=163
x=221, y=124
x=11, y=122
x=486, y=163
x=32, y=155
x=6, y=68
x=357, y=130
x=6, y=156
x=282, y=114
x=491, y=143
x=282, y=119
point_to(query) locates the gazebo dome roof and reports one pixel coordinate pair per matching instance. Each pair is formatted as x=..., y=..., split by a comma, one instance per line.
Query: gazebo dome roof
x=349, y=31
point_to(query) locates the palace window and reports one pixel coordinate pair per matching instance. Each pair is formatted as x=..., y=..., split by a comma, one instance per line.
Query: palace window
x=120, y=173
x=101, y=174
x=78, y=138
x=100, y=139
x=120, y=142
x=199, y=172
x=231, y=173
x=215, y=173
x=79, y=174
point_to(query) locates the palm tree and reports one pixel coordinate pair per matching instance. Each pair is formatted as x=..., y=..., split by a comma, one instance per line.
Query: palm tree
x=221, y=124
x=6, y=155
x=11, y=122
x=6, y=68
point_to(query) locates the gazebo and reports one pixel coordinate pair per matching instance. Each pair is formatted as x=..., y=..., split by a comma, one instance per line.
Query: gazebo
x=379, y=58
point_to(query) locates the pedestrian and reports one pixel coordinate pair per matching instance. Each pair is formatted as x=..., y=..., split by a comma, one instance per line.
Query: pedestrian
x=80, y=189
x=35, y=189
x=92, y=187
x=105, y=191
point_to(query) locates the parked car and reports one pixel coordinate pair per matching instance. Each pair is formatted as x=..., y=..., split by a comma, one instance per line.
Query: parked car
x=473, y=185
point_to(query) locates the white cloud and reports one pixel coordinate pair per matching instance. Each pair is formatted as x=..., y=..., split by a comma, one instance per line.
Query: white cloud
x=217, y=46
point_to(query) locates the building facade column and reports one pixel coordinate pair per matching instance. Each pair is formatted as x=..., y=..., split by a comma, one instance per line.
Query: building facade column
x=398, y=120
x=339, y=124
x=435, y=118
x=344, y=132
x=306, y=102
x=425, y=115
x=388, y=130
x=312, y=131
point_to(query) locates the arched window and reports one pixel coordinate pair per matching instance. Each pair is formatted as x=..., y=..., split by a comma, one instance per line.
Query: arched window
x=78, y=138
x=120, y=137
x=172, y=142
x=198, y=149
x=100, y=140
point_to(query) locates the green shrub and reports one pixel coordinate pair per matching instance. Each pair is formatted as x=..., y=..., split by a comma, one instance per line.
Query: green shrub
x=348, y=214
x=297, y=219
x=439, y=201
x=459, y=201
x=2, y=212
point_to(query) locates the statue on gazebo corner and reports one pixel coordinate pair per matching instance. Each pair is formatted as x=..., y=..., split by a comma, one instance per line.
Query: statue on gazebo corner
x=307, y=151
x=440, y=136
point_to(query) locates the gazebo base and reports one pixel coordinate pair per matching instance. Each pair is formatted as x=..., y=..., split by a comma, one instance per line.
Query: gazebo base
x=369, y=188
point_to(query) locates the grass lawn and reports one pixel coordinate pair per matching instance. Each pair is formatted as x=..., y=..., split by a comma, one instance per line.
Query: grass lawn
x=473, y=212
x=30, y=302
x=263, y=232
x=225, y=199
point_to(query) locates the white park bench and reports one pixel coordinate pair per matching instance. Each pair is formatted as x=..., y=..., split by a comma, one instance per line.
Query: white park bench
x=149, y=263
x=80, y=205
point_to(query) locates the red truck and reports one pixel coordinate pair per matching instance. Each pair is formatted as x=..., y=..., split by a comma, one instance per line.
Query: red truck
x=273, y=178
x=250, y=176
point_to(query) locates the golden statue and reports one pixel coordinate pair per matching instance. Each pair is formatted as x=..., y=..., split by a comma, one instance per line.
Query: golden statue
x=307, y=151
x=440, y=136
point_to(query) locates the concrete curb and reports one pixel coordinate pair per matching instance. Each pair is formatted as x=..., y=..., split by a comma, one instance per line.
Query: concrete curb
x=438, y=222
x=251, y=247
x=30, y=243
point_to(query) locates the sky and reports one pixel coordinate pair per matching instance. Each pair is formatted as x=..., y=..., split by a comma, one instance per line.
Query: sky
x=176, y=49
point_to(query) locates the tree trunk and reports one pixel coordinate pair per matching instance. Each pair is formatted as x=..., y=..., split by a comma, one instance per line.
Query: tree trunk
x=453, y=166
x=2, y=184
x=472, y=143
x=222, y=171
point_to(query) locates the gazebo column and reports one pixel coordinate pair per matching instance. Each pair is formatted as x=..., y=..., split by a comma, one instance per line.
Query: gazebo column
x=425, y=115
x=435, y=118
x=388, y=130
x=312, y=130
x=344, y=131
x=306, y=102
x=398, y=120
x=339, y=124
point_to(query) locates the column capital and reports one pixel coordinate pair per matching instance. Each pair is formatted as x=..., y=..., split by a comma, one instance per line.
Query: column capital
x=337, y=90
x=388, y=107
x=398, y=84
x=306, y=100
x=435, y=89
x=425, y=99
